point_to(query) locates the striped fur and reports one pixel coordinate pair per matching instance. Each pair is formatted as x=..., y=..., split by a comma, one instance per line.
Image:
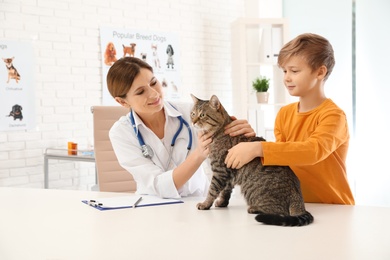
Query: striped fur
x=271, y=192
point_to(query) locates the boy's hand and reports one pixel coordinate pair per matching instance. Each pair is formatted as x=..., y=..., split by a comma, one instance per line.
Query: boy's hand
x=242, y=153
x=239, y=127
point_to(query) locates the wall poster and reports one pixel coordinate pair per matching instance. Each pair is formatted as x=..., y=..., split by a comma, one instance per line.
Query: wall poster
x=17, y=94
x=159, y=49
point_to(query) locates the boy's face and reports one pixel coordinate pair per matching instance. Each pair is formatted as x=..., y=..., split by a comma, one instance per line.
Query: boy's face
x=300, y=80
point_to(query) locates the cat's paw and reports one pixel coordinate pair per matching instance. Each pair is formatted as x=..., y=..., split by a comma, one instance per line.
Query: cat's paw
x=203, y=206
x=221, y=203
x=254, y=210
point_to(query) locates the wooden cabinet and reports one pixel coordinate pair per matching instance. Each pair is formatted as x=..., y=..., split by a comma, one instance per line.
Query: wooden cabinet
x=256, y=43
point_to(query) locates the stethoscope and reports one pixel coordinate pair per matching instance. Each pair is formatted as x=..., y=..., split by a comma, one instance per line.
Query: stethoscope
x=147, y=151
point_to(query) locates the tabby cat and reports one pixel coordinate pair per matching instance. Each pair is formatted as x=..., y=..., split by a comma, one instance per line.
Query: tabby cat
x=272, y=192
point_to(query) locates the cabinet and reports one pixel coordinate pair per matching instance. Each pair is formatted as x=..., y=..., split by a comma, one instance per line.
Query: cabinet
x=256, y=43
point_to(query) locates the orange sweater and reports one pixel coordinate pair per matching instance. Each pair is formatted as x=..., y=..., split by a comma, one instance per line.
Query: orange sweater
x=314, y=144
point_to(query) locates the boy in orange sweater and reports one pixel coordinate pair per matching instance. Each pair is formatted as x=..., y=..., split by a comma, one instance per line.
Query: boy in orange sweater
x=312, y=135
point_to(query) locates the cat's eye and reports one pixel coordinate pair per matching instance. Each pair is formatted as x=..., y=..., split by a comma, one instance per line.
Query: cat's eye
x=201, y=115
x=192, y=114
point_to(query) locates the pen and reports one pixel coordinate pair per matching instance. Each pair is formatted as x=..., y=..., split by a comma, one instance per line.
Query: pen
x=137, y=202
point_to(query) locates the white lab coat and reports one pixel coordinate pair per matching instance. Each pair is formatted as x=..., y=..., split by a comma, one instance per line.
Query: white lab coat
x=152, y=176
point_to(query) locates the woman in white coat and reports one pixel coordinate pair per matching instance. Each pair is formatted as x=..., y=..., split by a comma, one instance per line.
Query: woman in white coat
x=154, y=141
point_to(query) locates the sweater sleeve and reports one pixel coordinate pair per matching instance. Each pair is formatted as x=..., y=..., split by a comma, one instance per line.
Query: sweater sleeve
x=307, y=138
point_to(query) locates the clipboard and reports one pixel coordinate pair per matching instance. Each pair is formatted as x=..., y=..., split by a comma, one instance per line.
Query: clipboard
x=131, y=201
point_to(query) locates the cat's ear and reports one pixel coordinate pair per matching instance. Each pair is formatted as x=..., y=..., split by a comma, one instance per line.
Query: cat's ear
x=214, y=102
x=195, y=99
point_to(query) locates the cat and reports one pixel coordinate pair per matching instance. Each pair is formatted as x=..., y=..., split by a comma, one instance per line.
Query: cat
x=271, y=192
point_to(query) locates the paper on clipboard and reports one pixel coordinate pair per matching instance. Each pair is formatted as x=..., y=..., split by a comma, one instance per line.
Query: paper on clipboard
x=129, y=202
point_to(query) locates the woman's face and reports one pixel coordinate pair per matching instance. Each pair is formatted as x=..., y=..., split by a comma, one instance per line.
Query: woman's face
x=145, y=95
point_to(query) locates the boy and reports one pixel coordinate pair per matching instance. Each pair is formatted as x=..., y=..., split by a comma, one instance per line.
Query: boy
x=312, y=135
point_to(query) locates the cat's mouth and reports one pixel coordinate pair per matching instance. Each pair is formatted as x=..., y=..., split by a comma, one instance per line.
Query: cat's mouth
x=203, y=128
x=197, y=126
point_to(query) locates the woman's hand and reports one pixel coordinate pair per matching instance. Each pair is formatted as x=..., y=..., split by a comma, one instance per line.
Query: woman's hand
x=239, y=127
x=204, y=140
x=242, y=153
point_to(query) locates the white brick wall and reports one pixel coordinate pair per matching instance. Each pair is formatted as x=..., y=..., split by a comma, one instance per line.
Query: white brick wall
x=65, y=38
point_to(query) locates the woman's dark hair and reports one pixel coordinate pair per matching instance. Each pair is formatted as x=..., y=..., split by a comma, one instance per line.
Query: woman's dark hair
x=122, y=73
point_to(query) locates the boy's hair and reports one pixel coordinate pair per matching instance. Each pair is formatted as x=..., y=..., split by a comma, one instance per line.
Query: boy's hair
x=315, y=49
x=122, y=73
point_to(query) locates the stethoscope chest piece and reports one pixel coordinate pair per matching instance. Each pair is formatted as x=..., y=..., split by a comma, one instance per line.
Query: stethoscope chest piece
x=147, y=151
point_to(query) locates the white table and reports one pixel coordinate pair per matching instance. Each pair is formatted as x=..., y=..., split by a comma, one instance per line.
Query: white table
x=55, y=224
x=62, y=154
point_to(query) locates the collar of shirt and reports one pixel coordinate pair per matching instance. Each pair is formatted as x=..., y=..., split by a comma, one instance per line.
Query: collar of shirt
x=170, y=111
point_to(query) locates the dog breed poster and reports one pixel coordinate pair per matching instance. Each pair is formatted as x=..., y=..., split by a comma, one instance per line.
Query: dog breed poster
x=17, y=102
x=159, y=49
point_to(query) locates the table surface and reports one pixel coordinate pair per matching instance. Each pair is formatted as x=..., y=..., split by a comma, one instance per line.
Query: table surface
x=55, y=224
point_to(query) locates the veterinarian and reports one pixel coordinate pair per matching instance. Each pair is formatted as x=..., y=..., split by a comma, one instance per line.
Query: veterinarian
x=312, y=135
x=154, y=141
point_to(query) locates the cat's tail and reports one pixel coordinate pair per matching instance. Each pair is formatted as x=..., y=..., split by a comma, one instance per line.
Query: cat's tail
x=289, y=221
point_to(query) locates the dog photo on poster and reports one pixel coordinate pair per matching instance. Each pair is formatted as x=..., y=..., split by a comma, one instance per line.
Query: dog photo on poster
x=17, y=107
x=159, y=49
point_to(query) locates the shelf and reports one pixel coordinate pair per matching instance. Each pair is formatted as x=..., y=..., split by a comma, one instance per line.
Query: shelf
x=257, y=64
x=256, y=44
x=257, y=105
